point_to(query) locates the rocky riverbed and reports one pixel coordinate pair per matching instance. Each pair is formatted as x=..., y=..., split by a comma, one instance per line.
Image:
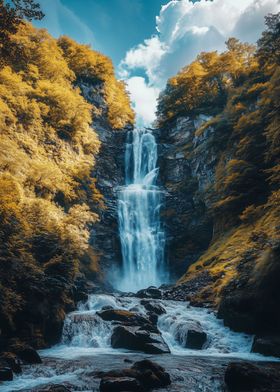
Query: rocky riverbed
x=113, y=332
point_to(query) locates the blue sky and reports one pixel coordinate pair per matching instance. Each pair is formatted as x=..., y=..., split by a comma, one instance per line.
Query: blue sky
x=151, y=40
x=110, y=26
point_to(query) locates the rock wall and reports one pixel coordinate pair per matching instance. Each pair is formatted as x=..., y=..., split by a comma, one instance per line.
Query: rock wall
x=109, y=173
x=187, y=166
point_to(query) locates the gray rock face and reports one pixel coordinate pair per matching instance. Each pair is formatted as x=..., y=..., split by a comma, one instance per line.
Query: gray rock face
x=109, y=173
x=188, y=157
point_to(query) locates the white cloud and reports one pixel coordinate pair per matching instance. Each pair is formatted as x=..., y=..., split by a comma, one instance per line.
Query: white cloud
x=184, y=30
x=144, y=99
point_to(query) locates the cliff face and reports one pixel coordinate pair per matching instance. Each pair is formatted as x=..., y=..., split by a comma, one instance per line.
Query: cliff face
x=109, y=174
x=219, y=163
x=187, y=167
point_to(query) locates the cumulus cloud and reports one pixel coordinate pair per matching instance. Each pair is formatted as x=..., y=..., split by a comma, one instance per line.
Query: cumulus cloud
x=184, y=29
x=144, y=99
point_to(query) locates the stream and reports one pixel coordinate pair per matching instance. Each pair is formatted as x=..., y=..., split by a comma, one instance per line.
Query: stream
x=85, y=348
x=108, y=331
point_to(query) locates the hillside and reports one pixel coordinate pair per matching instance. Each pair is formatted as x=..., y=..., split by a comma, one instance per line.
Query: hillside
x=219, y=129
x=49, y=196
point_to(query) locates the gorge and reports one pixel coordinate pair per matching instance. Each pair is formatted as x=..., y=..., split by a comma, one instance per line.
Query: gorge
x=136, y=258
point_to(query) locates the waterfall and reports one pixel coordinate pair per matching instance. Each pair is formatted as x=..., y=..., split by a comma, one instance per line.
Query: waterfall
x=139, y=203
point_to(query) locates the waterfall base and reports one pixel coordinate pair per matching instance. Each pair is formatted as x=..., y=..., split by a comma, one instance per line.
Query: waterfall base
x=86, y=346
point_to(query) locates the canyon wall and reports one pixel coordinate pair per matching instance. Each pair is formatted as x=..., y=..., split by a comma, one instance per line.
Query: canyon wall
x=219, y=162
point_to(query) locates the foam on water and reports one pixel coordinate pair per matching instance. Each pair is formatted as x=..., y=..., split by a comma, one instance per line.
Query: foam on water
x=85, y=333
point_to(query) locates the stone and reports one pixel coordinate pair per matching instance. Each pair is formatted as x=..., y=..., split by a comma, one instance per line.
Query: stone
x=6, y=374
x=26, y=353
x=246, y=377
x=150, y=292
x=196, y=338
x=11, y=361
x=268, y=346
x=123, y=316
x=55, y=388
x=151, y=374
x=153, y=307
x=120, y=384
x=135, y=338
x=142, y=376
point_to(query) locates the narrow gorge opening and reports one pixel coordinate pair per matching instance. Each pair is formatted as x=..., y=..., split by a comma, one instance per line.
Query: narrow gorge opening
x=139, y=205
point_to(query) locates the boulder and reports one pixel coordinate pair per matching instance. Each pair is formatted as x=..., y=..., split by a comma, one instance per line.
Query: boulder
x=59, y=388
x=153, y=318
x=196, y=338
x=123, y=316
x=269, y=346
x=151, y=374
x=10, y=360
x=150, y=292
x=26, y=353
x=246, y=377
x=135, y=338
x=120, y=384
x=6, y=374
x=55, y=388
x=153, y=307
x=142, y=376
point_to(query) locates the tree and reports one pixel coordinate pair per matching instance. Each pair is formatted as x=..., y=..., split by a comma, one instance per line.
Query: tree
x=11, y=16
x=269, y=43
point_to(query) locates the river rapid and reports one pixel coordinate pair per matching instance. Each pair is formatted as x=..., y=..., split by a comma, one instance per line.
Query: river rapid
x=85, y=348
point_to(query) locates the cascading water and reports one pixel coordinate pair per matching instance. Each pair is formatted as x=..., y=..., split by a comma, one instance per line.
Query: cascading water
x=139, y=203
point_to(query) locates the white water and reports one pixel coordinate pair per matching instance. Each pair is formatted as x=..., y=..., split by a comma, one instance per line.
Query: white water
x=139, y=203
x=85, y=333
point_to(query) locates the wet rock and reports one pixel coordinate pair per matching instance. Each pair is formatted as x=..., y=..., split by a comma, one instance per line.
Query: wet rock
x=107, y=307
x=196, y=338
x=246, y=377
x=135, y=338
x=235, y=310
x=26, y=353
x=6, y=374
x=10, y=360
x=151, y=374
x=150, y=292
x=123, y=316
x=153, y=317
x=55, y=388
x=153, y=307
x=142, y=376
x=189, y=291
x=120, y=384
x=269, y=346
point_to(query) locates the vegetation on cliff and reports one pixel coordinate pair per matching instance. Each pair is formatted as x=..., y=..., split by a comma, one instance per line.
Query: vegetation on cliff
x=238, y=93
x=48, y=199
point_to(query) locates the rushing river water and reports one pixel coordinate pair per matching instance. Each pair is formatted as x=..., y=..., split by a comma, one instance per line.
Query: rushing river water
x=87, y=336
x=139, y=204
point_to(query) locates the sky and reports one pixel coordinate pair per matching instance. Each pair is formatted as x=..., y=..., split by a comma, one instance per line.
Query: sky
x=151, y=40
